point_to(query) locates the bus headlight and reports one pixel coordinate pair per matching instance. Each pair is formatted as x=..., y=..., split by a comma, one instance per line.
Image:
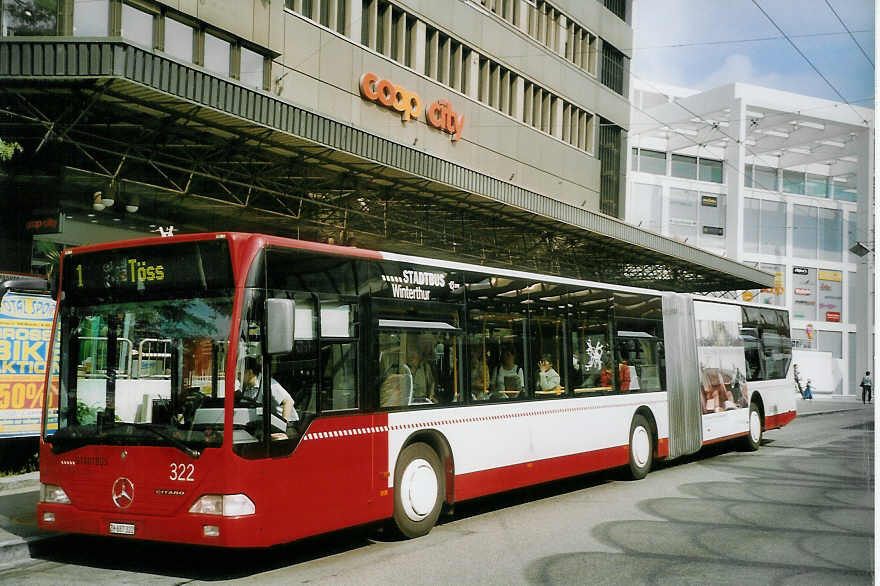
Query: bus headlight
x=51, y=493
x=227, y=505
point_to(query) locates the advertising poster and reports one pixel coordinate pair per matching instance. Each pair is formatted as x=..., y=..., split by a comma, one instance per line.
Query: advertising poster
x=720, y=351
x=830, y=295
x=804, y=285
x=25, y=329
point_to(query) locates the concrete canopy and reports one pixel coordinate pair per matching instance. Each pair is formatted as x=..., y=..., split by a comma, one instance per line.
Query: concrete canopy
x=208, y=153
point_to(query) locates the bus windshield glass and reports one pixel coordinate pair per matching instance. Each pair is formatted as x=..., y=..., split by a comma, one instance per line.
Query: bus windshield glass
x=144, y=365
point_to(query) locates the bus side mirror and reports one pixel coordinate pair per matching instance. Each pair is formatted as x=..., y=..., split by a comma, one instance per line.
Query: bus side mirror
x=279, y=325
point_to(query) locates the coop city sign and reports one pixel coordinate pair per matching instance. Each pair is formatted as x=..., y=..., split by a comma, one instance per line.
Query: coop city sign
x=438, y=114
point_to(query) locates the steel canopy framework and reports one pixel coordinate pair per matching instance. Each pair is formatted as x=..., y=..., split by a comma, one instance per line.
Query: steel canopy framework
x=208, y=153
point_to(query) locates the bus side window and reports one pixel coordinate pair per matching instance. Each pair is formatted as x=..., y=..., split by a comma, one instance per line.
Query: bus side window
x=339, y=350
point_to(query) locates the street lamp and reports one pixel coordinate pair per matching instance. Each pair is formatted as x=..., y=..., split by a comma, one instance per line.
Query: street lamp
x=860, y=249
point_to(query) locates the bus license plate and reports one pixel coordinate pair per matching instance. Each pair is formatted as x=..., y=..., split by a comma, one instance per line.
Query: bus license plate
x=122, y=528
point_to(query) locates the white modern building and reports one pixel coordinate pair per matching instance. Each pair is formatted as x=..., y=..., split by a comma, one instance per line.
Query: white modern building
x=777, y=180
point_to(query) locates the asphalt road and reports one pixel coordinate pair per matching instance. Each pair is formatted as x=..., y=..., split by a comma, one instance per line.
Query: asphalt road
x=799, y=511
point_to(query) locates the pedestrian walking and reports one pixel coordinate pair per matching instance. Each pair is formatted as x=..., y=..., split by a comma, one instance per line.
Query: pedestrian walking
x=866, y=386
x=808, y=390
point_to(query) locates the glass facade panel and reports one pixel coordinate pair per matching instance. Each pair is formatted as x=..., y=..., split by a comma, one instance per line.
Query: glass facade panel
x=765, y=178
x=776, y=294
x=853, y=310
x=683, y=166
x=773, y=232
x=800, y=339
x=251, y=69
x=749, y=174
x=844, y=190
x=854, y=377
x=29, y=18
x=831, y=342
x=713, y=209
x=217, y=55
x=851, y=235
x=137, y=26
x=647, y=205
x=805, y=237
x=793, y=182
x=652, y=162
x=91, y=18
x=817, y=185
x=830, y=235
x=711, y=171
x=683, y=211
x=751, y=224
x=803, y=282
x=178, y=39
x=830, y=301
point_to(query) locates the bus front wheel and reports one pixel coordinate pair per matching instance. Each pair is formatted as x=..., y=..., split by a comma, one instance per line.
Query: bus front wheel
x=419, y=487
x=752, y=441
x=641, y=448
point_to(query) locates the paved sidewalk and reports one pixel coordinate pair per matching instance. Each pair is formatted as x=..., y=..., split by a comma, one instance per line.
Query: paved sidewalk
x=19, y=494
x=18, y=517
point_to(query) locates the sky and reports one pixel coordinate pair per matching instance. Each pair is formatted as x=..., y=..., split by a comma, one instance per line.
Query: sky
x=700, y=44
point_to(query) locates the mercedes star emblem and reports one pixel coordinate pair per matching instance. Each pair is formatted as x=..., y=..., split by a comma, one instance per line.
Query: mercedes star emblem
x=123, y=492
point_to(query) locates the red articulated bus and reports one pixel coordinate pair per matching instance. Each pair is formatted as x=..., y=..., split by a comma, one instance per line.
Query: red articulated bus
x=245, y=390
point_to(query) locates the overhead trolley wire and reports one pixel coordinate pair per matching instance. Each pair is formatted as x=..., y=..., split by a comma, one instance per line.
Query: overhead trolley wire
x=807, y=59
x=846, y=28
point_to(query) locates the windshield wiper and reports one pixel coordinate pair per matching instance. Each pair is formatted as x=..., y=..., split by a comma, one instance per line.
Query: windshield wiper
x=193, y=453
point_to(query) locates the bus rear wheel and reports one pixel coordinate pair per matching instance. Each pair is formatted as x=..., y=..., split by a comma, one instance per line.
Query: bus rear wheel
x=752, y=441
x=641, y=448
x=419, y=487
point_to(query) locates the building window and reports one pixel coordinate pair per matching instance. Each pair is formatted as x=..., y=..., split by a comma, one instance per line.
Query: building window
x=831, y=342
x=137, y=26
x=684, y=166
x=613, y=68
x=29, y=18
x=843, y=189
x=610, y=152
x=793, y=182
x=830, y=235
x=178, y=39
x=775, y=295
x=817, y=185
x=830, y=296
x=773, y=230
x=711, y=170
x=748, y=175
x=713, y=211
x=851, y=235
x=683, y=214
x=805, y=238
x=652, y=162
x=617, y=7
x=803, y=282
x=646, y=208
x=91, y=18
x=217, y=52
x=252, y=68
x=751, y=225
x=765, y=178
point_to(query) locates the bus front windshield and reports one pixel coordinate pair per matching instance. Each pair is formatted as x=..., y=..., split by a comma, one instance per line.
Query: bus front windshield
x=143, y=373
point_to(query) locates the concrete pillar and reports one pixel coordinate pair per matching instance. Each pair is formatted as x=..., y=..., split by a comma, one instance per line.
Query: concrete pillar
x=556, y=117
x=562, y=35
x=387, y=23
x=734, y=171
x=472, y=74
x=418, y=47
x=866, y=298
x=518, y=98
x=372, y=17
x=402, y=41
x=332, y=14
x=353, y=15
x=457, y=57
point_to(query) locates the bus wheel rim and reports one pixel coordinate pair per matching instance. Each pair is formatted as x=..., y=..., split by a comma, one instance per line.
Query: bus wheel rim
x=755, y=426
x=418, y=489
x=641, y=446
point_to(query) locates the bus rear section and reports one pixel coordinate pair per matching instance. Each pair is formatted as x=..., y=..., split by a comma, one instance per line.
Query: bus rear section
x=245, y=390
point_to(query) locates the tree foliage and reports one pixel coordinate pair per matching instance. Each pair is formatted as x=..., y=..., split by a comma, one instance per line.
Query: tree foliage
x=7, y=149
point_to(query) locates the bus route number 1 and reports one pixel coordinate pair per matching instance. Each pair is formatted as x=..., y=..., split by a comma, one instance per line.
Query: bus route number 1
x=182, y=472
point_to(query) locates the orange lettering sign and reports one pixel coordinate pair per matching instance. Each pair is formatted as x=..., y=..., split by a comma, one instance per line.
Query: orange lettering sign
x=383, y=92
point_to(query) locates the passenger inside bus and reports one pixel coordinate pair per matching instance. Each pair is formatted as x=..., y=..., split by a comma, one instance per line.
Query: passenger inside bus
x=423, y=384
x=508, y=380
x=548, y=379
